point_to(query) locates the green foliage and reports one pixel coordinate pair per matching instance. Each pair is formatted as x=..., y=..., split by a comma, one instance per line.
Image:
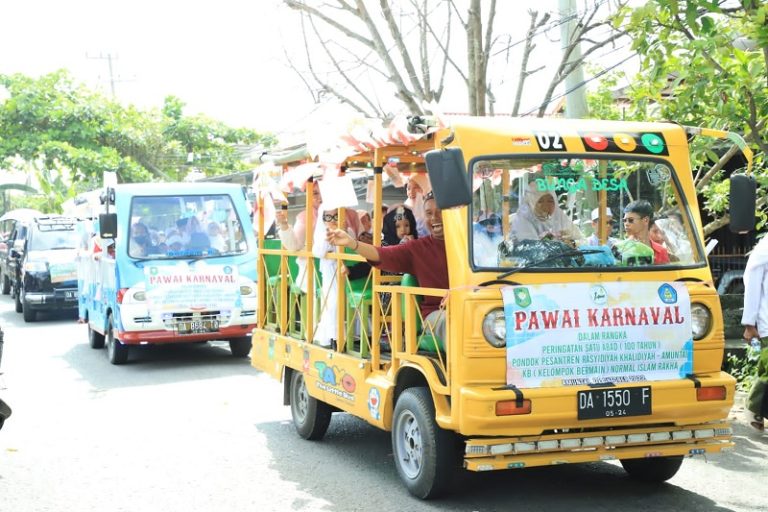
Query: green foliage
x=69, y=136
x=743, y=369
x=694, y=73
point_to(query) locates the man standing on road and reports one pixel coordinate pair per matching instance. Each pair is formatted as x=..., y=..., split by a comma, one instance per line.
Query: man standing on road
x=755, y=322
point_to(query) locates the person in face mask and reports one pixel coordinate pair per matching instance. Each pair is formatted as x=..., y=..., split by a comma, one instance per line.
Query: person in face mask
x=140, y=242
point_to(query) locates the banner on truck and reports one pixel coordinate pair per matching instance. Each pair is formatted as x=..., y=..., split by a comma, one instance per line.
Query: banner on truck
x=197, y=287
x=588, y=333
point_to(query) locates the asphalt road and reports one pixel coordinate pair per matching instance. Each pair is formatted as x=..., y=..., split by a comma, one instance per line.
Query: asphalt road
x=187, y=429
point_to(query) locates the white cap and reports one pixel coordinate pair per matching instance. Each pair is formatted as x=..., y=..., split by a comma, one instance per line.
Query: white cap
x=596, y=213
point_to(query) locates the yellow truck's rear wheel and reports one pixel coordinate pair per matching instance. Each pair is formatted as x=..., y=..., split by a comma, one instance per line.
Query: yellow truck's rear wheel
x=311, y=417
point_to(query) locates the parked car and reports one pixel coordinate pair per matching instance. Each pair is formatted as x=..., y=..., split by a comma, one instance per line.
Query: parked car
x=48, y=265
x=12, y=233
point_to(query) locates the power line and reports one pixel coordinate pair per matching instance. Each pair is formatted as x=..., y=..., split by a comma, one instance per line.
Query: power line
x=580, y=84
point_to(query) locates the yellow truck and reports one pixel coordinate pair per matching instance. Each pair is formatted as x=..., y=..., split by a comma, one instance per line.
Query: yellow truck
x=569, y=335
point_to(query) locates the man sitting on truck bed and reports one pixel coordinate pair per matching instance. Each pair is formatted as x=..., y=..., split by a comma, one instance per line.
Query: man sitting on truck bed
x=424, y=257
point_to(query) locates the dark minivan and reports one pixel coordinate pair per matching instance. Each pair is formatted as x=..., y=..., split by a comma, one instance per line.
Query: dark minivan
x=49, y=267
x=13, y=232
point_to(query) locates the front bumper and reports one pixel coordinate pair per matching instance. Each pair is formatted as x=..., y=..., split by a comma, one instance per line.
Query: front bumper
x=63, y=299
x=567, y=447
x=679, y=424
x=140, y=326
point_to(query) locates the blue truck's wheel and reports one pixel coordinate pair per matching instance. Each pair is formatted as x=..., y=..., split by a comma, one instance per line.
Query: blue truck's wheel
x=240, y=347
x=95, y=339
x=116, y=351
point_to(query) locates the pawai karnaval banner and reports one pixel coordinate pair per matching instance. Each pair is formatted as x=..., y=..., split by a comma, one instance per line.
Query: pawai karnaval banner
x=198, y=287
x=587, y=333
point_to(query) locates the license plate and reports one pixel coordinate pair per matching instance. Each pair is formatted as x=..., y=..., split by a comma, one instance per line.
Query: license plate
x=614, y=402
x=70, y=295
x=197, y=326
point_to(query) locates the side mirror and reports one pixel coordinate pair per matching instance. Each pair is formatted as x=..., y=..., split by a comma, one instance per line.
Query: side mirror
x=108, y=225
x=742, y=203
x=448, y=177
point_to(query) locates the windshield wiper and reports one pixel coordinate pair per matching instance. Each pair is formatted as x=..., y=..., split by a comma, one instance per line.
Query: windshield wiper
x=567, y=254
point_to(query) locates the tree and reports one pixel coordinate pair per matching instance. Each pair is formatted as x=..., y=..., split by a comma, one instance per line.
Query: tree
x=354, y=49
x=69, y=136
x=4, y=188
x=705, y=63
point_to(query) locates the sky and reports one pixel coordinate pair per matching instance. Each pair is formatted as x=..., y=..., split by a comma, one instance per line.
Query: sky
x=224, y=58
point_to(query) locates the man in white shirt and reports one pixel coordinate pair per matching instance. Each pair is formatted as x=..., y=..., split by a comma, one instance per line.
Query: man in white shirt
x=755, y=322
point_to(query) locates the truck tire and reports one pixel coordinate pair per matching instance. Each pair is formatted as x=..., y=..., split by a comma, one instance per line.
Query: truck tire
x=425, y=454
x=6, y=285
x=95, y=339
x=240, y=347
x=654, y=469
x=116, y=351
x=311, y=417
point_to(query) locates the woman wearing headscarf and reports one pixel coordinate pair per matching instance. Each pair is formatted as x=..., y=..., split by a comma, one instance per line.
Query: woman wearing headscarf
x=540, y=218
x=417, y=187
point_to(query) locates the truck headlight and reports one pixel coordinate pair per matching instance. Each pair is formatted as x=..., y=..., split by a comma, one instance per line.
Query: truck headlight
x=495, y=328
x=245, y=289
x=701, y=320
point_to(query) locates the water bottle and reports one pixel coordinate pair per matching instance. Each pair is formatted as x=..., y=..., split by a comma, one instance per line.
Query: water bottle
x=755, y=344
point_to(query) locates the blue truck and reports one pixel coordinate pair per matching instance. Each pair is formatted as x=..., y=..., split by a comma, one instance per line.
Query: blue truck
x=168, y=263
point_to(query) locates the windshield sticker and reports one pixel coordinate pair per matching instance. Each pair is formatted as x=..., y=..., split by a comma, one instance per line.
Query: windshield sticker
x=597, y=333
x=658, y=175
x=573, y=185
x=643, y=144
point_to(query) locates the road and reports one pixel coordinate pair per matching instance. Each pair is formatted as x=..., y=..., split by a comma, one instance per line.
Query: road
x=187, y=429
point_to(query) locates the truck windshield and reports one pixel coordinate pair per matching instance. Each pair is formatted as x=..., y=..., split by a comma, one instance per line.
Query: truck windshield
x=597, y=212
x=198, y=226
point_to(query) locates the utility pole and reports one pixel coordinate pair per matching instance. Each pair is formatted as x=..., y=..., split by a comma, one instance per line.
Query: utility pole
x=112, y=79
x=576, y=94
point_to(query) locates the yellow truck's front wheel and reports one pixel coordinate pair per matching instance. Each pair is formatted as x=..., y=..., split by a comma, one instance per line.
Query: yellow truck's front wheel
x=654, y=469
x=423, y=452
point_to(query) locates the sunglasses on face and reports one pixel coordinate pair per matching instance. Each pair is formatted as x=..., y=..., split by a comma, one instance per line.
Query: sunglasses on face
x=629, y=220
x=331, y=217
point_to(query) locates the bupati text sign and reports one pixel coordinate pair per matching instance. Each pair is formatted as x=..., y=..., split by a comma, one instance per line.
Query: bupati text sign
x=586, y=333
